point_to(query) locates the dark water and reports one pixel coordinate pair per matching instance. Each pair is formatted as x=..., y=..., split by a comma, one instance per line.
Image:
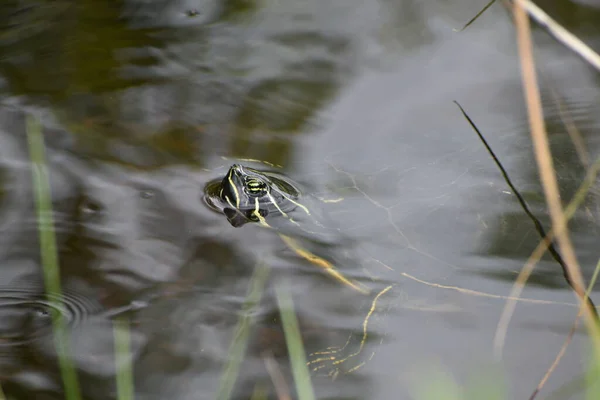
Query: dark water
x=143, y=103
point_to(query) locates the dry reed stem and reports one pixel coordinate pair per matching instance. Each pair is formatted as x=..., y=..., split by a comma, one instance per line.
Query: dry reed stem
x=568, y=339
x=525, y=273
x=545, y=165
x=561, y=34
x=558, y=357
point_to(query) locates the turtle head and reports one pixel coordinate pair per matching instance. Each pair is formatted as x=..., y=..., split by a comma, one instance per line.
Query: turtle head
x=244, y=190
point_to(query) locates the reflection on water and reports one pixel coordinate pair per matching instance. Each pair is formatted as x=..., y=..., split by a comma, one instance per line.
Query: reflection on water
x=144, y=103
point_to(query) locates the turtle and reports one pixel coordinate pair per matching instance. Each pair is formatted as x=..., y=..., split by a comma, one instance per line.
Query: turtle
x=268, y=198
x=248, y=195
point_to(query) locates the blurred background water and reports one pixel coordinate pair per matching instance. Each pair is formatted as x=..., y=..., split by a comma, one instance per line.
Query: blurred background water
x=143, y=102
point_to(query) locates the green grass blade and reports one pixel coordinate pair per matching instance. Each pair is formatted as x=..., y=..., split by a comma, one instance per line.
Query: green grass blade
x=237, y=350
x=293, y=340
x=49, y=255
x=125, y=385
x=592, y=376
x=592, y=380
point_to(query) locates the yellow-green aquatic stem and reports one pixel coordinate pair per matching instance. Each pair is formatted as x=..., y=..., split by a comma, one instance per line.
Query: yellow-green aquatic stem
x=237, y=350
x=123, y=359
x=294, y=343
x=49, y=255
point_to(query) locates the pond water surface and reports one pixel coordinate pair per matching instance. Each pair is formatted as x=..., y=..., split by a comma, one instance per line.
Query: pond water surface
x=143, y=103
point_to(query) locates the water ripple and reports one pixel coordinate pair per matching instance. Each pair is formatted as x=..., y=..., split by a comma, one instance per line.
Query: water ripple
x=28, y=313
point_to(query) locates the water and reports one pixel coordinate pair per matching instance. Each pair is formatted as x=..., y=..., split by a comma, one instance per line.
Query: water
x=143, y=103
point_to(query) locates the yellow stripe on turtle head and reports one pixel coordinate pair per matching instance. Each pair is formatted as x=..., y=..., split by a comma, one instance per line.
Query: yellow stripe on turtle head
x=297, y=204
x=256, y=213
x=277, y=205
x=235, y=191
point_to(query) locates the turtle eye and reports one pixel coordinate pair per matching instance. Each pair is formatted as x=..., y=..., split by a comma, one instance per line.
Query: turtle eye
x=255, y=188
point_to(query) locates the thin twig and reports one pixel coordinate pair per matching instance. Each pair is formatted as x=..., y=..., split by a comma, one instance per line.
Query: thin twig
x=465, y=26
x=477, y=293
x=538, y=225
x=471, y=292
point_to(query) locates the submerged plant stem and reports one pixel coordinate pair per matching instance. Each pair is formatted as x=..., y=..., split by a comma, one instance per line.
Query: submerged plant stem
x=123, y=360
x=49, y=255
x=293, y=340
x=238, y=346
